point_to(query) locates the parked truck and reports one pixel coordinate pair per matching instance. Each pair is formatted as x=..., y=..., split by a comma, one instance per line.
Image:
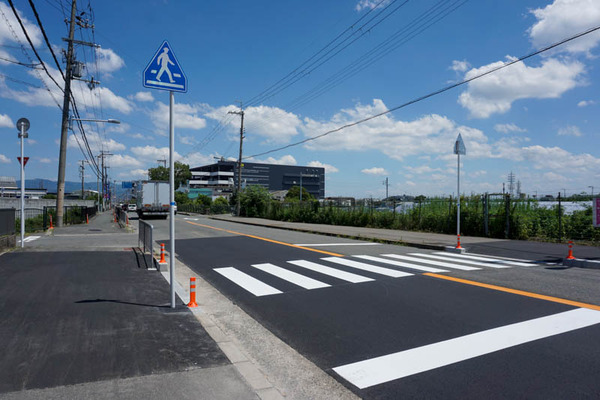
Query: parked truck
x=153, y=199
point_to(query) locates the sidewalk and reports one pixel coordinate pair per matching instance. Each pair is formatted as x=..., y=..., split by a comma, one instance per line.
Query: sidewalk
x=93, y=323
x=539, y=251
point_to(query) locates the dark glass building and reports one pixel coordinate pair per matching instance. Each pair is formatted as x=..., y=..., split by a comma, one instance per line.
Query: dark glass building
x=221, y=178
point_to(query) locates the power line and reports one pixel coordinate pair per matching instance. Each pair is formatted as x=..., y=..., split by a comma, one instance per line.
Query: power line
x=34, y=66
x=295, y=77
x=445, y=89
x=12, y=6
x=37, y=17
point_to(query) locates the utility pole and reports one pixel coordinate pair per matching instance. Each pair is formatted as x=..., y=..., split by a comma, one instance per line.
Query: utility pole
x=164, y=162
x=386, y=183
x=62, y=159
x=592, y=191
x=82, y=174
x=102, y=155
x=239, y=180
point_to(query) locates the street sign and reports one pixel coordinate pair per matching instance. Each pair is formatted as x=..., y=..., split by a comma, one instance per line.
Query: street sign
x=126, y=185
x=23, y=123
x=459, y=146
x=25, y=159
x=163, y=72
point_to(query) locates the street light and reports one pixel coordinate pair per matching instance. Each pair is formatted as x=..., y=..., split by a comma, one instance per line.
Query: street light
x=62, y=161
x=23, y=127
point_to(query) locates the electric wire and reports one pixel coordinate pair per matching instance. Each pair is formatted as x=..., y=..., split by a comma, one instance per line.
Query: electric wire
x=439, y=91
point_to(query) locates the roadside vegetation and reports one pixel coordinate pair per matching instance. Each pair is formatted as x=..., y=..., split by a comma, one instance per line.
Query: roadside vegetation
x=524, y=219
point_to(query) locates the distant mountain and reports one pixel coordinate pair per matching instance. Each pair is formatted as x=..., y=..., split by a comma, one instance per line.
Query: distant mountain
x=51, y=185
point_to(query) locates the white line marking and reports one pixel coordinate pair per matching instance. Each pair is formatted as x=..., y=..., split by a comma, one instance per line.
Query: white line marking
x=367, y=267
x=438, y=263
x=386, y=368
x=483, y=264
x=165, y=84
x=495, y=260
x=29, y=239
x=336, y=273
x=337, y=244
x=291, y=276
x=247, y=282
x=401, y=264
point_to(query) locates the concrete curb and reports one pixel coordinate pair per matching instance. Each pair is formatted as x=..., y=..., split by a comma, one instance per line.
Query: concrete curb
x=376, y=240
x=581, y=263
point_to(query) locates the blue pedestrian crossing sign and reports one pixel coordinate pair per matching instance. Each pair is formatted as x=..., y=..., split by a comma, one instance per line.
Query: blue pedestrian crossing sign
x=163, y=71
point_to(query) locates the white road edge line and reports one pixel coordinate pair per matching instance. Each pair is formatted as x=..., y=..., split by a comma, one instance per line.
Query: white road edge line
x=336, y=244
x=367, y=373
x=245, y=281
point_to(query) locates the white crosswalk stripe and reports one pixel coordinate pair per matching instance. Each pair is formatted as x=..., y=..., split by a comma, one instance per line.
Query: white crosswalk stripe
x=431, y=262
x=453, y=259
x=253, y=285
x=410, y=261
x=336, y=273
x=367, y=267
x=290, y=276
x=491, y=260
x=401, y=264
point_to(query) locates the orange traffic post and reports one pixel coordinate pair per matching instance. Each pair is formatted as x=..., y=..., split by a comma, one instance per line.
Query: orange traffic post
x=458, y=246
x=87, y=221
x=570, y=256
x=51, y=227
x=192, y=302
x=162, y=253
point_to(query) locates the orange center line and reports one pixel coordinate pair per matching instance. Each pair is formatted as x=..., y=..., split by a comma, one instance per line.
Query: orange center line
x=267, y=240
x=515, y=291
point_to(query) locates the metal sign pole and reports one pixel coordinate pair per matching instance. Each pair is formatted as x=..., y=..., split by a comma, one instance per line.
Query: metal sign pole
x=458, y=198
x=22, y=188
x=172, y=197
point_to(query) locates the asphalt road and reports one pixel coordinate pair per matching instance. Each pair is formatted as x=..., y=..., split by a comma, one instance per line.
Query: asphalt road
x=387, y=322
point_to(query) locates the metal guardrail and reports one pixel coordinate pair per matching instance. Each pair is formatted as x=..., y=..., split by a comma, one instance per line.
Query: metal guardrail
x=122, y=216
x=7, y=221
x=145, y=241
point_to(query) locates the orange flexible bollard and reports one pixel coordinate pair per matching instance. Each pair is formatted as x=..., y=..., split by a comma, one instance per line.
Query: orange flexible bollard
x=87, y=221
x=192, y=302
x=162, y=253
x=458, y=246
x=51, y=227
x=570, y=256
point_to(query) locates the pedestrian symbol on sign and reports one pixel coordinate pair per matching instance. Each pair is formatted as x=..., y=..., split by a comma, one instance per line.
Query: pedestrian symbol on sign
x=164, y=63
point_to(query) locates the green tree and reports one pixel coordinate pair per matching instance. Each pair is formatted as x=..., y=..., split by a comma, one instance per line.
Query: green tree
x=182, y=198
x=294, y=194
x=254, y=201
x=48, y=196
x=204, y=200
x=182, y=174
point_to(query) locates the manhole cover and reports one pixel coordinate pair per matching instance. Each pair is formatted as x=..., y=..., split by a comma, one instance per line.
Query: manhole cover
x=96, y=230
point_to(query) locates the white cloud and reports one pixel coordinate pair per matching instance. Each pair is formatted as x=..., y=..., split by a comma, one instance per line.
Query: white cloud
x=565, y=18
x=143, y=96
x=96, y=142
x=187, y=140
x=430, y=134
x=6, y=35
x=374, y=171
x=151, y=153
x=284, y=160
x=507, y=128
x=328, y=167
x=5, y=121
x=120, y=161
x=108, y=61
x=135, y=174
x=3, y=158
x=186, y=116
x=271, y=123
x=570, y=131
x=45, y=160
x=460, y=66
x=423, y=169
x=370, y=4
x=585, y=103
x=496, y=92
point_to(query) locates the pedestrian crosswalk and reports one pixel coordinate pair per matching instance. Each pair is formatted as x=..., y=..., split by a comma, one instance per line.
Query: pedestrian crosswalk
x=266, y=279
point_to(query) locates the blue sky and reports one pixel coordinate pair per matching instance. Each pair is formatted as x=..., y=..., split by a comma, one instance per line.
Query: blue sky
x=539, y=118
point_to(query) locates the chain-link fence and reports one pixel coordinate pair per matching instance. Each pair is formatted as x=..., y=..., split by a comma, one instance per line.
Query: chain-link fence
x=488, y=215
x=40, y=219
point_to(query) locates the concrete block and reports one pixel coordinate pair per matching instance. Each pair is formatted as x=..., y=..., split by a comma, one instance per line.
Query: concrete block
x=452, y=249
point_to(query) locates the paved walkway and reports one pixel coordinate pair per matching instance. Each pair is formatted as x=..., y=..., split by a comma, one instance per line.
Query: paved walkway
x=501, y=247
x=95, y=323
